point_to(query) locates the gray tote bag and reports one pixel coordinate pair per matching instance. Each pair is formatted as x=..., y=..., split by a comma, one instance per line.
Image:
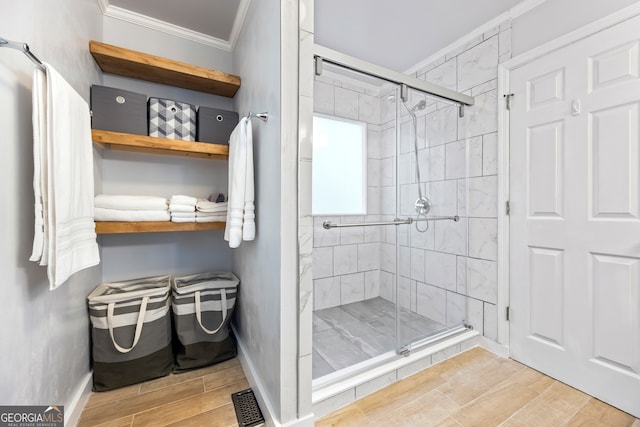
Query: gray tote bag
x=131, y=331
x=202, y=308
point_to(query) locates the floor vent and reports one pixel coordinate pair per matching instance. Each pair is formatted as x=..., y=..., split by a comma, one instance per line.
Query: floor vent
x=247, y=409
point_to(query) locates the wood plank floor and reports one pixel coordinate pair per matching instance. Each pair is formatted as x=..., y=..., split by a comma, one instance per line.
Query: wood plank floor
x=478, y=388
x=195, y=398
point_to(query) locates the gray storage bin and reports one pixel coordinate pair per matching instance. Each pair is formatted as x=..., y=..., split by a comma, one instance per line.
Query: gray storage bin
x=202, y=308
x=172, y=119
x=130, y=331
x=216, y=125
x=118, y=110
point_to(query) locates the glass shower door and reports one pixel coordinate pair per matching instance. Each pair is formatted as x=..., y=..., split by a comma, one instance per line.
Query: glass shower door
x=431, y=255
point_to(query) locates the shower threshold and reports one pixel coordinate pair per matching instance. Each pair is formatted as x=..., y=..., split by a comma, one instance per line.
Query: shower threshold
x=387, y=368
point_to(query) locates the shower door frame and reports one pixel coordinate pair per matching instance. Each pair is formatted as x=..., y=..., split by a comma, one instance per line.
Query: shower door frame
x=403, y=83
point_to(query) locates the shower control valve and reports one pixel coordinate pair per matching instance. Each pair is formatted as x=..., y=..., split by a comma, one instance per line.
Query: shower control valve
x=423, y=205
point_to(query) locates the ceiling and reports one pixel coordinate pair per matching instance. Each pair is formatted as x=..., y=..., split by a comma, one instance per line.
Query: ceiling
x=394, y=34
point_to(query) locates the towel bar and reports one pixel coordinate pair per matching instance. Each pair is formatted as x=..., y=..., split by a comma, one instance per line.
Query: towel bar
x=328, y=224
x=24, y=48
x=262, y=116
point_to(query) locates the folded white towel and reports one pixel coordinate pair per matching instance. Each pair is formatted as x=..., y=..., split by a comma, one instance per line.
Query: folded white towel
x=204, y=205
x=131, y=203
x=174, y=207
x=102, y=214
x=183, y=214
x=65, y=238
x=241, y=209
x=192, y=219
x=207, y=214
x=213, y=218
x=180, y=199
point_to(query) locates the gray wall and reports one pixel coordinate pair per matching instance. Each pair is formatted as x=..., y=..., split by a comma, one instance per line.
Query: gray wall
x=266, y=319
x=44, y=335
x=140, y=255
x=555, y=18
x=257, y=263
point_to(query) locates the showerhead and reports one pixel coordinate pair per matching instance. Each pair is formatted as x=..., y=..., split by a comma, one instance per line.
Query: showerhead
x=419, y=106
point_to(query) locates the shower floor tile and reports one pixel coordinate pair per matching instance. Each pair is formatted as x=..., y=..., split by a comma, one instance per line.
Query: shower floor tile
x=352, y=333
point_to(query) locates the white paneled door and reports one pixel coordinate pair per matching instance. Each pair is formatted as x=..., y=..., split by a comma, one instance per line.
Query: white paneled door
x=575, y=215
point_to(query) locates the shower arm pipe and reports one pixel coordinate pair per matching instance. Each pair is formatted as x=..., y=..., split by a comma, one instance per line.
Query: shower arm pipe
x=322, y=53
x=328, y=224
x=24, y=48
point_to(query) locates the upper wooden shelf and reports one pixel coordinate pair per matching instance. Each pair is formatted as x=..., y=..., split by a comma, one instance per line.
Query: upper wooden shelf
x=117, y=227
x=138, y=65
x=153, y=145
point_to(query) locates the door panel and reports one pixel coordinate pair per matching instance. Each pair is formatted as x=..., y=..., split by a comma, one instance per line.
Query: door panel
x=575, y=217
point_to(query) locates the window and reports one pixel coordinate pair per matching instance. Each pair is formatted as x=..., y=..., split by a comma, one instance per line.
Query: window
x=339, y=166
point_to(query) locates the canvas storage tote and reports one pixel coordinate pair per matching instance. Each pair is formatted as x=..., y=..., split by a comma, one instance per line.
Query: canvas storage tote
x=131, y=331
x=202, y=308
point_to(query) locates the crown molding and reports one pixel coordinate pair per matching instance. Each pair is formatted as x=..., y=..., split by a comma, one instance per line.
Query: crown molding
x=104, y=4
x=516, y=11
x=174, y=30
x=238, y=23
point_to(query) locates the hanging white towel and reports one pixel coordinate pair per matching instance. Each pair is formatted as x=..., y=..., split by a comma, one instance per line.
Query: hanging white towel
x=241, y=211
x=65, y=238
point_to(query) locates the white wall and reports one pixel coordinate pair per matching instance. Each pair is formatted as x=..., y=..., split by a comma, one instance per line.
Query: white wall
x=131, y=36
x=555, y=18
x=140, y=255
x=44, y=335
x=266, y=319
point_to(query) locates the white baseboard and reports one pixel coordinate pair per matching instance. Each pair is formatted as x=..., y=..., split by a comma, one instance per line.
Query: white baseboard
x=73, y=410
x=492, y=346
x=255, y=382
x=259, y=390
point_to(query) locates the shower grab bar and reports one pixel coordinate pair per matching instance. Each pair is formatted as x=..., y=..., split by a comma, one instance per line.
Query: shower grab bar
x=328, y=224
x=24, y=48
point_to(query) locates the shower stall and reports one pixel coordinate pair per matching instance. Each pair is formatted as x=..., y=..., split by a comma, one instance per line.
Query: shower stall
x=390, y=228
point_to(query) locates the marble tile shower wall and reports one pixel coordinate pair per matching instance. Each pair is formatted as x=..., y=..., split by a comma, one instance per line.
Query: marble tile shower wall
x=346, y=261
x=451, y=270
x=449, y=273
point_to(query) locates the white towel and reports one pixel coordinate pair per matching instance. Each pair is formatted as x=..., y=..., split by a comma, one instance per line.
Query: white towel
x=212, y=218
x=130, y=216
x=192, y=219
x=241, y=210
x=180, y=199
x=65, y=238
x=204, y=205
x=183, y=214
x=206, y=214
x=173, y=207
x=131, y=203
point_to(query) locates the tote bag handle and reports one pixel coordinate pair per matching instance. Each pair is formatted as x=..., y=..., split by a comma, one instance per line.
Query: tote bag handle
x=136, y=337
x=223, y=300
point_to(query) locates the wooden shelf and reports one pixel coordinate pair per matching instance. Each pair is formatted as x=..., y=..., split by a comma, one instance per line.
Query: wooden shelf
x=116, y=227
x=153, y=145
x=138, y=65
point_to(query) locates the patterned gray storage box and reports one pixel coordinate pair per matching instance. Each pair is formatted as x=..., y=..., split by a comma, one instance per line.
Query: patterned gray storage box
x=131, y=332
x=202, y=308
x=172, y=119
